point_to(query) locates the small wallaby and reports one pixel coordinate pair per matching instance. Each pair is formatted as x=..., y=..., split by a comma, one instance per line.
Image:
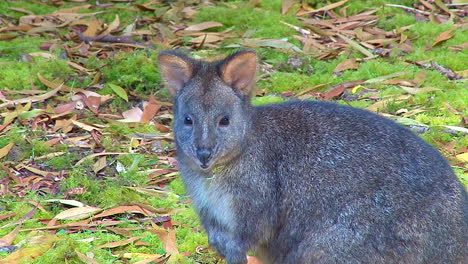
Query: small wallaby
x=308, y=182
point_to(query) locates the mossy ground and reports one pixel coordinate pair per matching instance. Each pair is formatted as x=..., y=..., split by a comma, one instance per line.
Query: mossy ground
x=137, y=71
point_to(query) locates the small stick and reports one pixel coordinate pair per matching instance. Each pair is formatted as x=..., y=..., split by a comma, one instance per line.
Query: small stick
x=414, y=10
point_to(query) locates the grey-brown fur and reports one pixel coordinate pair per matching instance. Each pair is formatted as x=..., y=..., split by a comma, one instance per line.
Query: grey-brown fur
x=308, y=182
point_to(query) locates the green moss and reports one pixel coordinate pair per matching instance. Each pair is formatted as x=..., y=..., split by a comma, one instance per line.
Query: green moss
x=134, y=72
x=20, y=75
x=267, y=99
x=177, y=186
x=263, y=23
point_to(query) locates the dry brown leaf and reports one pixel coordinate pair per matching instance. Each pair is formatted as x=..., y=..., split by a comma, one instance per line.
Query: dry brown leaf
x=87, y=127
x=38, y=245
x=40, y=172
x=286, y=5
x=150, y=110
x=152, y=260
x=30, y=99
x=121, y=231
x=132, y=115
x=140, y=255
x=100, y=154
x=420, y=77
x=203, y=26
x=4, y=151
x=403, y=82
x=78, y=213
x=93, y=103
x=381, y=104
x=418, y=90
x=8, y=239
x=463, y=157
x=206, y=39
x=120, y=243
x=100, y=164
x=161, y=128
x=67, y=202
x=5, y=216
x=325, y=8
x=168, y=238
x=85, y=259
x=113, y=26
x=346, y=65
x=123, y=210
x=446, y=35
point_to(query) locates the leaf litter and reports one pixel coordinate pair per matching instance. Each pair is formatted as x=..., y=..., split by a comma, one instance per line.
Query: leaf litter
x=79, y=117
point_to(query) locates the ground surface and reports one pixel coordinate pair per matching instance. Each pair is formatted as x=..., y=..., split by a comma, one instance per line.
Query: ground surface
x=88, y=173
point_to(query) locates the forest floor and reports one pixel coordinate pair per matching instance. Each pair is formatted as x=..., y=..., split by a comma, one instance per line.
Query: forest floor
x=87, y=159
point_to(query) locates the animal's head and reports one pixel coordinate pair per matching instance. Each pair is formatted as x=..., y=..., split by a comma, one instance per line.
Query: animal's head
x=211, y=104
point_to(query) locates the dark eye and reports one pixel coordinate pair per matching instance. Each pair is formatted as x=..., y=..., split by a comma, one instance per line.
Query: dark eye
x=188, y=121
x=224, y=121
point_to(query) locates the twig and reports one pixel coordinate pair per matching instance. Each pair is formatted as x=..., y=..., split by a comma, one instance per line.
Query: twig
x=304, y=32
x=32, y=98
x=414, y=10
x=357, y=46
x=445, y=71
x=110, y=39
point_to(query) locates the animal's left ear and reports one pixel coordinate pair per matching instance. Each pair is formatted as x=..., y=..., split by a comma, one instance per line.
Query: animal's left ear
x=238, y=71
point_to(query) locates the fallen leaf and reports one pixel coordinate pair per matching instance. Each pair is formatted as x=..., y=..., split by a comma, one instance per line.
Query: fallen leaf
x=5, y=216
x=65, y=201
x=418, y=90
x=357, y=46
x=203, y=26
x=208, y=38
x=168, y=238
x=133, y=115
x=100, y=164
x=38, y=245
x=37, y=98
x=85, y=259
x=40, y=172
x=4, y=151
x=286, y=5
x=150, y=110
x=140, y=255
x=119, y=91
x=124, y=209
x=386, y=77
x=272, y=43
x=8, y=239
x=455, y=128
x=462, y=157
x=346, y=65
x=325, y=8
x=446, y=35
x=78, y=213
x=120, y=243
x=85, y=126
x=381, y=104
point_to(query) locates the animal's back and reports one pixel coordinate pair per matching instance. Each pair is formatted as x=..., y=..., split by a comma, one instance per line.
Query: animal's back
x=357, y=188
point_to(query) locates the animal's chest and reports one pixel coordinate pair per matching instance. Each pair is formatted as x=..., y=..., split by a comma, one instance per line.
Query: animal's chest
x=214, y=204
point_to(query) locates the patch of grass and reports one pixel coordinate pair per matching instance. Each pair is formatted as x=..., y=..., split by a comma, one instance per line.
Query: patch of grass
x=261, y=24
x=136, y=72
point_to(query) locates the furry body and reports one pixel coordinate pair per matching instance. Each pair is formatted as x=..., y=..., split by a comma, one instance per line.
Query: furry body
x=313, y=182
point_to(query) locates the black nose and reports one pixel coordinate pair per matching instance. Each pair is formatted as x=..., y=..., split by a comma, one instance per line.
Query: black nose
x=203, y=155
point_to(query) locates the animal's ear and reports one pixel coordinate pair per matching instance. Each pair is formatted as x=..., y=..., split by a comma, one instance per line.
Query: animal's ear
x=176, y=70
x=238, y=71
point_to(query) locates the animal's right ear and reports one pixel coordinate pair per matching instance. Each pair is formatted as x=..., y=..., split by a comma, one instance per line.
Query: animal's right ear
x=176, y=70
